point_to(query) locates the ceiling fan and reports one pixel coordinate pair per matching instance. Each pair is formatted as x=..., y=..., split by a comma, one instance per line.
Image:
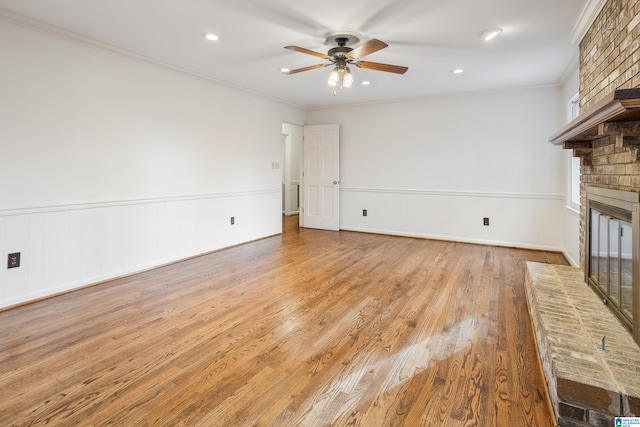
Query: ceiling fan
x=343, y=55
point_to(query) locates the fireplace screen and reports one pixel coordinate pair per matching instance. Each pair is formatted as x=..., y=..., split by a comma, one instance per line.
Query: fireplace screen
x=611, y=260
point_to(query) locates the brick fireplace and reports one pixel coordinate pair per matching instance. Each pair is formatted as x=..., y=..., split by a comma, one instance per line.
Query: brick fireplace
x=609, y=60
x=586, y=336
x=606, y=137
x=589, y=356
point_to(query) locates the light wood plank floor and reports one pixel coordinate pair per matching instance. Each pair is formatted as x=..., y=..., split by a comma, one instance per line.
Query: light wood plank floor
x=308, y=328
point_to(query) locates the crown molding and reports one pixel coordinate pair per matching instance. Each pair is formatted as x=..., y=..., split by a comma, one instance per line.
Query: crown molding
x=585, y=20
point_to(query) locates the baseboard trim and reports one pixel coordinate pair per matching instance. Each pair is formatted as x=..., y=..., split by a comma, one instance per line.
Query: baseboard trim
x=569, y=258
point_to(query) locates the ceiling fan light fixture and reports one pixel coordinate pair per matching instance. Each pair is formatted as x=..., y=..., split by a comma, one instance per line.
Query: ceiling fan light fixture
x=341, y=75
x=490, y=33
x=211, y=37
x=347, y=80
x=334, y=77
x=285, y=70
x=457, y=71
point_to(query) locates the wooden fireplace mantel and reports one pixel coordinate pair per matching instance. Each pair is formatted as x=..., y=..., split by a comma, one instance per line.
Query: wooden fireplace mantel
x=618, y=112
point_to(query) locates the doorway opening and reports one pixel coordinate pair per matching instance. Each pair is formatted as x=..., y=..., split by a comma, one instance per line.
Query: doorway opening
x=291, y=168
x=311, y=174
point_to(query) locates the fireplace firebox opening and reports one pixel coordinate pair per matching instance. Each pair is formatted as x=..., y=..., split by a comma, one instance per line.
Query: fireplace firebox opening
x=611, y=262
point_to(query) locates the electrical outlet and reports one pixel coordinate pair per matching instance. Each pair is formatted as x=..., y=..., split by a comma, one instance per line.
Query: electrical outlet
x=13, y=260
x=364, y=212
x=485, y=221
x=233, y=220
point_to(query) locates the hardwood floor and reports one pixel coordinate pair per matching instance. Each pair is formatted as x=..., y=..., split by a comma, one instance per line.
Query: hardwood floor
x=308, y=328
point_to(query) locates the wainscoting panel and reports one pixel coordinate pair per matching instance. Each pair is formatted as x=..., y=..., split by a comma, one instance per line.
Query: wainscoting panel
x=519, y=220
x=4, y=250
x=67, y=247
x=17, y=278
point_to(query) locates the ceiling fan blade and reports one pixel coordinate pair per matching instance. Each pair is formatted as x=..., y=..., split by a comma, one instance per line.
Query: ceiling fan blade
x=382, y=67
x=368, y=48
x=307, y=51
x=309, y=68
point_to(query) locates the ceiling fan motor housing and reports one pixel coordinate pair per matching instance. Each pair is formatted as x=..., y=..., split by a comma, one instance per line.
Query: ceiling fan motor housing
x=339, y=51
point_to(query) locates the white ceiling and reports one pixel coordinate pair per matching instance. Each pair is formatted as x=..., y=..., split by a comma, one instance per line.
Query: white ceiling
x=431, y=37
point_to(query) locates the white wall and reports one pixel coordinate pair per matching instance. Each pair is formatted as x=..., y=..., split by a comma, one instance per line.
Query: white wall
x=435, y=167
x=111, y=164
x=571, y=217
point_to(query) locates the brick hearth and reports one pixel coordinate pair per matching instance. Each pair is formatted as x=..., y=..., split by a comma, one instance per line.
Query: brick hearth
x=588, y=386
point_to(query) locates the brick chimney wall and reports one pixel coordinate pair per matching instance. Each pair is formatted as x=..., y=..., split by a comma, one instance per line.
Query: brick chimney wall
x=609, y=60
x=609, y=52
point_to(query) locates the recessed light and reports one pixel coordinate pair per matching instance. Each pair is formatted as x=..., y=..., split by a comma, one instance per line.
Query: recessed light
x=366, y=83
x=285, y=70
x=211, y=37
x=491, y=33
x=457, y=71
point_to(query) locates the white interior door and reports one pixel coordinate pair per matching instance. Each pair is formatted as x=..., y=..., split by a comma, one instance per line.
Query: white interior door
x=321, y=177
